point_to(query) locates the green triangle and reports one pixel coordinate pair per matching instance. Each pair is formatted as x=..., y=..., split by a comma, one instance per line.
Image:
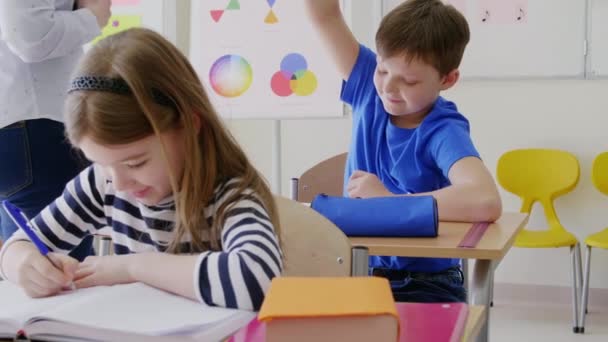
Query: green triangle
x=234, y=5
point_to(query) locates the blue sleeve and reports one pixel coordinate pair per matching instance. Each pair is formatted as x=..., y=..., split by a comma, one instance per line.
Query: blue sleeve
x=449, y=143
x=359, y=88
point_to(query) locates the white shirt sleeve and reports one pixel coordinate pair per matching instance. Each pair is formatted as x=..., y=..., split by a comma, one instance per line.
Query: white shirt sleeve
x=35, y=30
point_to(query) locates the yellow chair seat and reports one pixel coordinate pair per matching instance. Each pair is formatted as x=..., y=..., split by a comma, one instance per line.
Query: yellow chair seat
x=598, y=239
x=544, y=239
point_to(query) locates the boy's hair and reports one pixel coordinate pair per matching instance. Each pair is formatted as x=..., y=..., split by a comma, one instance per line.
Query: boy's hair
x=428, y=30
x=150, y=65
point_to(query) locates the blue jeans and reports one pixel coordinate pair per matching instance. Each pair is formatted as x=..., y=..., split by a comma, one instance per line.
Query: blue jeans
x=421, y=287
x=36, y=162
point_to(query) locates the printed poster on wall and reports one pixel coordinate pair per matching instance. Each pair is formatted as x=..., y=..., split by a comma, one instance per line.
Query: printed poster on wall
x=263, y=59
x=153, y=14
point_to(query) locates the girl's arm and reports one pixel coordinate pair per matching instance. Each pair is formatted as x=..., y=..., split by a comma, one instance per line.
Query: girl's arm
x=63, y=224
x=236, y=277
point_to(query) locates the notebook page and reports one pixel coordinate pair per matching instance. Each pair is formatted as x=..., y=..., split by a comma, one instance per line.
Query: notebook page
x=138, y=308
x=18, y=307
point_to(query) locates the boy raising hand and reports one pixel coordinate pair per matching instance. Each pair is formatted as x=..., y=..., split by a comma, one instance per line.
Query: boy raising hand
x=407, y=140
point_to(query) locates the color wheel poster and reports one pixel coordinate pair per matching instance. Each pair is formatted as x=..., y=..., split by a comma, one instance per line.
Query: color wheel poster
x=263, y=59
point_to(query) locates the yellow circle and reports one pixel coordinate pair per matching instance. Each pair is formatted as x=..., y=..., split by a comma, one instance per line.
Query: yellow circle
x=304, y=84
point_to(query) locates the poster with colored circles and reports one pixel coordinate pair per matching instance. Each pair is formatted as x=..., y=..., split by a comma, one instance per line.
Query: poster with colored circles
x=262, y=59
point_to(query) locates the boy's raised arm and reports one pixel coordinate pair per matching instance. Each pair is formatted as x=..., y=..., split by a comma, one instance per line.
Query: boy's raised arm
x=335, y=33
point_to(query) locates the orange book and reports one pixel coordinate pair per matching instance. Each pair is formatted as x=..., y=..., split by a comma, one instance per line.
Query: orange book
x=330, y=309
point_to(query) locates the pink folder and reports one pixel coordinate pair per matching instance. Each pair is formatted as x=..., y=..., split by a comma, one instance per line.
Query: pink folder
x=420, y=322
x=432, y=322
x=255, y=331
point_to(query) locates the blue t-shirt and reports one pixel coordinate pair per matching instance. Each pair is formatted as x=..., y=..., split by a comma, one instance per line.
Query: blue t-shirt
x=405, y=160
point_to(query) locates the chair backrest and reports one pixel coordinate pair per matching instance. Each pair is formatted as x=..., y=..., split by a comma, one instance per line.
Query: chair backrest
x=312, y=245
x=326, y=177
x=599, y=174
x=538, y=175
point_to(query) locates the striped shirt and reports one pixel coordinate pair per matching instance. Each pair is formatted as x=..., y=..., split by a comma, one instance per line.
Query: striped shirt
x=236, y=277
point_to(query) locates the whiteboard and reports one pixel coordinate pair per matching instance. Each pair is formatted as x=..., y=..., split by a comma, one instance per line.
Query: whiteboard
x=263, y=59
x=522, y=38
x=157, y=15
x=598, y=33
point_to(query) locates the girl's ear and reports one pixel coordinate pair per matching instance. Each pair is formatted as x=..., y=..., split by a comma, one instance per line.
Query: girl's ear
x=196, y=119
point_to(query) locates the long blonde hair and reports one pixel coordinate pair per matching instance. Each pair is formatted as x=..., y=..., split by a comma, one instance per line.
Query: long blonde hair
x=148, y=63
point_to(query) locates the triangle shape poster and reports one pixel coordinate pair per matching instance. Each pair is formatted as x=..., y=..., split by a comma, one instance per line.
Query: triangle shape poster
x=263, y=59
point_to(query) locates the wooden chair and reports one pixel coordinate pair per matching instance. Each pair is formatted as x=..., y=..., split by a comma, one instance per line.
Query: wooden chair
x=326, y=177
x=312, y=245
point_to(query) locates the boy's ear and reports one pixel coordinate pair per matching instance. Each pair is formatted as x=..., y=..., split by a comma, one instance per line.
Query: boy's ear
x=450, y=79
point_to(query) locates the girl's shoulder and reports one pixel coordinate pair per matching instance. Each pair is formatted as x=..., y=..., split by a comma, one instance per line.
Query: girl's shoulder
x=231, y=193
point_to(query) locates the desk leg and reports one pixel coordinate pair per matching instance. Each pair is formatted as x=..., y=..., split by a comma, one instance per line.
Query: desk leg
x=465, y=275
x=480, y=292
x=360, y=261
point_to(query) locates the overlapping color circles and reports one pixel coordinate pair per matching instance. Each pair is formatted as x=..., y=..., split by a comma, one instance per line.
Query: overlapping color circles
x=294, y=77
x=230, y=76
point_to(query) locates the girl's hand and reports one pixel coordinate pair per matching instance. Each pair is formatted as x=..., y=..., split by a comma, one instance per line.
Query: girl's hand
x=40, y=278
x=103, y=270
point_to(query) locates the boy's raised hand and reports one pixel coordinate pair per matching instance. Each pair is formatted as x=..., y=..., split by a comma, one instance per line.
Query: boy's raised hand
x=366, y=185
x=335, y=34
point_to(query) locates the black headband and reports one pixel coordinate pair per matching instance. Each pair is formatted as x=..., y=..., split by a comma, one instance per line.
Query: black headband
x=114, y=85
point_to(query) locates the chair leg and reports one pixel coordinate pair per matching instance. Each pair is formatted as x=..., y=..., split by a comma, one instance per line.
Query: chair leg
x=464, y=264
x=585, y=296
x=104, y=245
x=580, y=271
x=294, y=189
x=492, y=291
x=575, y=251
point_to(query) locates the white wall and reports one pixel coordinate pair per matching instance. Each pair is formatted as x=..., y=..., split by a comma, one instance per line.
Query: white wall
x=569, y=115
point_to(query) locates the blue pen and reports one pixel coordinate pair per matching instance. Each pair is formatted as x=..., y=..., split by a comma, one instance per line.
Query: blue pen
x=21, y=221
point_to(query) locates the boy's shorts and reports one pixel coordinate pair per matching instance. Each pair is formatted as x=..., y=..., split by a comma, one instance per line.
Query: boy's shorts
x=421, y=287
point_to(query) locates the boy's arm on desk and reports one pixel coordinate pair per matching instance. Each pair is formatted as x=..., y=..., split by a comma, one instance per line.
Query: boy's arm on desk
x=472, y=197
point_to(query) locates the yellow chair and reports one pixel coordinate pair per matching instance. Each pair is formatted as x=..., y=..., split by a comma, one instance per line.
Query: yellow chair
x=599, y=175
x=542, y=175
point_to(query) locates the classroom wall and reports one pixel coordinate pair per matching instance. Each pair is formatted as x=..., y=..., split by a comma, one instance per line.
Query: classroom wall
x=565, y=114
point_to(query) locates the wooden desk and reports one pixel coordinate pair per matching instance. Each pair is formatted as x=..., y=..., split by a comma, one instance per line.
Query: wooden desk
x=492, y=247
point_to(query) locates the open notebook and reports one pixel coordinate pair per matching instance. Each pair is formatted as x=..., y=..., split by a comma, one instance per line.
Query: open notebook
x=133, y=312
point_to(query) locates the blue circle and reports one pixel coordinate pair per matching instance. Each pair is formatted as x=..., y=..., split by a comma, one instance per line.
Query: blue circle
x=293, y=62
